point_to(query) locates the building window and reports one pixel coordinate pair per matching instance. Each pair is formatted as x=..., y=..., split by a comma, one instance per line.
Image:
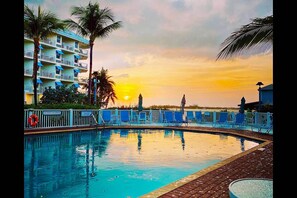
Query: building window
x=57, y=71
x=58, y=55
x=58, y=39
x=76, y=45
x=75, y=59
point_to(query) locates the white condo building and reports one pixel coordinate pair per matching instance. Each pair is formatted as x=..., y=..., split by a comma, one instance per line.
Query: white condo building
x=61, y=58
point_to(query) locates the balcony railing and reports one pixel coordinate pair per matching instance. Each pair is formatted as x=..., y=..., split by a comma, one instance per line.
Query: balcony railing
x=47, y=58
x=67, y=62
x=48, y=41
x=47, y=74
x=28, y=54
x=66, y=77
x=82, y=80
x=28, y=88
x=67, y=47
x=83, y=52
x=28, y=71
x=83, y=65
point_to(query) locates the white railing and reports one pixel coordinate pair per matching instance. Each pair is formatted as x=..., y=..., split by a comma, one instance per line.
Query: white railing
x=47, y=74
x=67, y=47
x=83, y=52
x=52, y=118
x=66, y=77
x=83, y=65
x=28, y=54
x=28, y=71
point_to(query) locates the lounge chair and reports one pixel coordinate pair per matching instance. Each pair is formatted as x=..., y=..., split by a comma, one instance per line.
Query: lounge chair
x=124, y=132
x=264, y=128
x=198, y=116
x=141, y=117
x=190, y=116
x=106, y=116
x=178, y=118
x=168, y=117
x=124, y=116
x=222, y=119
x=239, y=120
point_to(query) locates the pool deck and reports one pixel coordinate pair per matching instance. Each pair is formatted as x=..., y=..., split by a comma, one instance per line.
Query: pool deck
x=213, y=181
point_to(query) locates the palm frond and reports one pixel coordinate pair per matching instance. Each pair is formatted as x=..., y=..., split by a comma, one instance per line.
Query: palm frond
x=254, y=34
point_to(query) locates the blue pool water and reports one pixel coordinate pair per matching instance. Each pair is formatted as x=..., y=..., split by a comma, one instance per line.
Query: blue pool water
x=119, y=163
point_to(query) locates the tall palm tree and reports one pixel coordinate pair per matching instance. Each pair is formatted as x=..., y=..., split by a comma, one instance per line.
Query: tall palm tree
x=39, y=27
x=93, y=22
x=254, y=34
x=105, y=88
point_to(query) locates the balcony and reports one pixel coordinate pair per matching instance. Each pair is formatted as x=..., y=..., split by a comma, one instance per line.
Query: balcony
x=68, y=47
x=67, y=77
x=28, y=54
x=83, y=65
x=28, y=89
x=47, y=74
x=28, y=72
x=83, y=52
x=82, y=80
x=49, y=58
x=48, y=41
x=67, y=62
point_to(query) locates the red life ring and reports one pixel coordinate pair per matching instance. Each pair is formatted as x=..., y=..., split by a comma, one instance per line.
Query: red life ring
x=33, y=120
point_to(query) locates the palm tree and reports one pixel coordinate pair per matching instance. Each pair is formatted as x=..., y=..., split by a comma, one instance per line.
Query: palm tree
x=93, y=22
x=255, y=34
x=105, y=88
x=39, y=27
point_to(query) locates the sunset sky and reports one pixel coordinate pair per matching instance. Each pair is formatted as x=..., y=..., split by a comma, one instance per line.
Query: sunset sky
x=167, y=48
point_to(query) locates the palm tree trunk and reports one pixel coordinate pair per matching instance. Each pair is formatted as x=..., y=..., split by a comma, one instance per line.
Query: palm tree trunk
x=90, y=72
x=35, y=68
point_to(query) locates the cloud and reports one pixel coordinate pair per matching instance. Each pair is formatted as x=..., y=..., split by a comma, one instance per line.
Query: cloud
x=122, y=76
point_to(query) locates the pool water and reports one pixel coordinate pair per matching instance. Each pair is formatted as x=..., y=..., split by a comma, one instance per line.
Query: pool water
x=119, y=163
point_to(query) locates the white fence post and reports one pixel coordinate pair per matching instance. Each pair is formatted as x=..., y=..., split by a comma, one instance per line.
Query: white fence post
x=214, y=117
x=256, y=118
x=70, y=117
x=160, y=116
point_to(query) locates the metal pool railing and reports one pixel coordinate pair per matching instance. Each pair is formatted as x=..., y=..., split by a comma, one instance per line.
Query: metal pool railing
x=55, y=118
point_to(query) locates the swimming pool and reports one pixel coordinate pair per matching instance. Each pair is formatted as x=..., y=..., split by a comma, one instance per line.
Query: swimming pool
x=119, y=163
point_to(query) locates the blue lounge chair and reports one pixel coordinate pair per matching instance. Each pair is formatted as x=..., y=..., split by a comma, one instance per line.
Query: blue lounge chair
x=190, y=116
x=124, y=132
x=141, y=117
x=106, y=116
x=222, y=119
x=168, y=117
x=265, y=127
x=178, y=118
x=239, y=120
x=124, y=114
x=198, y=116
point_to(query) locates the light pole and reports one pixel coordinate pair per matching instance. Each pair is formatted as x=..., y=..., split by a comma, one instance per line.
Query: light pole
x=259, y=84
x=95, y=89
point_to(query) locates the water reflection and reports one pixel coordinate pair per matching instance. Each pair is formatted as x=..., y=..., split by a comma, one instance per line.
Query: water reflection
x=92, y=162
x=242, y=147
x=139, y=137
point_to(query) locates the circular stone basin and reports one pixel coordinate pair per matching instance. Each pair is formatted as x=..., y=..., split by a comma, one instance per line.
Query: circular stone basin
x=251, y=188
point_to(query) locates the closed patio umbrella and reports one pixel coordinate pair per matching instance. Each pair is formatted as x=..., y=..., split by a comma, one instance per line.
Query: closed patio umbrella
x=183, y=103
x=241, y=110
x=140, y=108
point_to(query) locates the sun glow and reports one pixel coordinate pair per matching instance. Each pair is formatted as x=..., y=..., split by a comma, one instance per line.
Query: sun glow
x=126, y=97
